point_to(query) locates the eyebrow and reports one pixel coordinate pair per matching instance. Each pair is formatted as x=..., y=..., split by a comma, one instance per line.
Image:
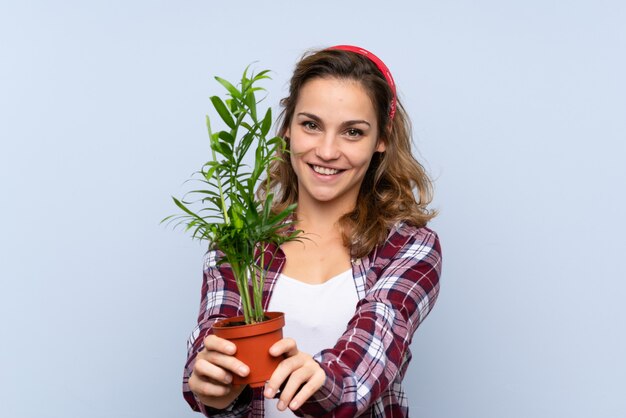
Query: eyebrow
x=346, y=123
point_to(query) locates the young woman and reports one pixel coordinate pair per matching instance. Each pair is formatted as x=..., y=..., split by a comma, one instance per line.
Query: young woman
x=357, y=288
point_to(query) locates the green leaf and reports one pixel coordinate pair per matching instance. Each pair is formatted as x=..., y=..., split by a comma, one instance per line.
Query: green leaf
x=278, y=218
x=203, y=192
x=227, y=137
x=262, y=75
x=267, y=122
x=233, y=105
x=185, y=209
x=222, y=110
x=209, y=174
x=236, y=94
x=248, y=127
x=250, y=101
x=216, y=145
x=244, y=76
x=277, y=140
x=227, y=150
x=267, y=206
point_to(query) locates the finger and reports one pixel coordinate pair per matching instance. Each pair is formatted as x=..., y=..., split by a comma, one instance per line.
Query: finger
x=296, y=381
x=206, y=387
x=215, y=343
x=208, y=370
x=285, y=346
x=306, y=391
x=282, y=372
x=227, y=362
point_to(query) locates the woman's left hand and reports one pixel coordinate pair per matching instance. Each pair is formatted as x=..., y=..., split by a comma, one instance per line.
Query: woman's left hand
x=302, y=374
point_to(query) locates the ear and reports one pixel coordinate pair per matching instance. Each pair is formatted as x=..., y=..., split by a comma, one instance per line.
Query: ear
x=287, y=133
x=381, y=146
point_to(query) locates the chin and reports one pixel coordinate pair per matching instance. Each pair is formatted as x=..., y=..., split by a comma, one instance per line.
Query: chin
x=324, y=198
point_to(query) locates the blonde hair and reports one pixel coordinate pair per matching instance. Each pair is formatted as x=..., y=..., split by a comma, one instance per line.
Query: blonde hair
x=386, y=196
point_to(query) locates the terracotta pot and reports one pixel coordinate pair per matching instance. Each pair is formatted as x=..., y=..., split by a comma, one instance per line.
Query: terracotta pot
x=253, y=343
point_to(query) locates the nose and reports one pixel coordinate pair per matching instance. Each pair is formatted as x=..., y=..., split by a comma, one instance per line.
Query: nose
x=328, y=148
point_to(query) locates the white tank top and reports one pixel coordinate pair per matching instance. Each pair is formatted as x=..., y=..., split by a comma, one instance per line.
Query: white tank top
x=316, y=315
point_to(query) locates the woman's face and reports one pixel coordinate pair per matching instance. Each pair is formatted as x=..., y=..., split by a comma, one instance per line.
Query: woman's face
x=333, y=135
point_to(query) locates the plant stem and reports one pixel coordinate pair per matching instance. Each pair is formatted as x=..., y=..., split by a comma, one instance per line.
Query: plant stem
x=259, y=291
x=241, y=277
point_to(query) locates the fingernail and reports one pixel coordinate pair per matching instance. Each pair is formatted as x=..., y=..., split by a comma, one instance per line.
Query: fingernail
x=269, y=392
x=230, y=348
x=228, y=378
x=281, y=405
x=293, y=405
x=243, y=370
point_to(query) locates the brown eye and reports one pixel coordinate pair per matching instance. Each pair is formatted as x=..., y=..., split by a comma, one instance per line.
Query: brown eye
x=353, y=132
x=311, y=126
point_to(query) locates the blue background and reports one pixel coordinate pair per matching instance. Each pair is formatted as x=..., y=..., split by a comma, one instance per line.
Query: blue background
x=519, y=111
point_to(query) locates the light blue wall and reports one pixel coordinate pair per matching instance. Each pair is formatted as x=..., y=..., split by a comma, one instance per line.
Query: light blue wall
x=519, y=110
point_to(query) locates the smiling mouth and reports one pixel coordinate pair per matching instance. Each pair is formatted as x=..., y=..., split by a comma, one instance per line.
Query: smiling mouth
x=324, y=170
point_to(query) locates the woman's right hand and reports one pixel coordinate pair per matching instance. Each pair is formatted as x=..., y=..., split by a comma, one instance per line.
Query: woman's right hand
x=213, y=372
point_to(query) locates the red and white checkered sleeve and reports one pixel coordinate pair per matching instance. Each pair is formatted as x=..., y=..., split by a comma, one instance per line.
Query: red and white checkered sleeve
x=219, y=299
x=373, y=352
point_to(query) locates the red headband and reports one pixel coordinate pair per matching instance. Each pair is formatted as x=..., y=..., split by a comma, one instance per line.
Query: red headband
x=381, y=66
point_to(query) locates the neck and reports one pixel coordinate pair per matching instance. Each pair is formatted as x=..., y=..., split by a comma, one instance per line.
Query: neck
x=320, y=217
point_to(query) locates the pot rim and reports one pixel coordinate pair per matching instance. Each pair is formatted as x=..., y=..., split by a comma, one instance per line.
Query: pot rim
x=276, y=321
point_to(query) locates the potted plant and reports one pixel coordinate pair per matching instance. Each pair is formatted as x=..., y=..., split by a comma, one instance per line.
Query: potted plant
x=235, y=221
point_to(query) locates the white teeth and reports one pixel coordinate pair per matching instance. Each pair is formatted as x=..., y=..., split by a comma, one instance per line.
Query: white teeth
x=324, y=170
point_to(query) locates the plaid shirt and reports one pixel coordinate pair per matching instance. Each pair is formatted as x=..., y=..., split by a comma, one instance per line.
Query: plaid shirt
x=397, y=285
